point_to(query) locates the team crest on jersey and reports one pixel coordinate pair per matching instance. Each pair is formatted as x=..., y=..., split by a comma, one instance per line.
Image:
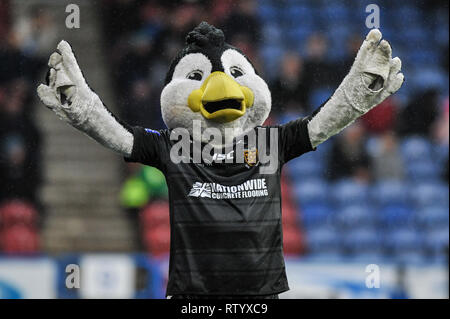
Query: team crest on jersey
x=251, y=157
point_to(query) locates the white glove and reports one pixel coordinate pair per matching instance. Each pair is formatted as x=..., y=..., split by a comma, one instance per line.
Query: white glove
x=69, y=96
x=372, y=78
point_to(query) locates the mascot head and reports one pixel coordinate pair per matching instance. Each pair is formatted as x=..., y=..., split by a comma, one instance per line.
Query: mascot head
x=214, y=83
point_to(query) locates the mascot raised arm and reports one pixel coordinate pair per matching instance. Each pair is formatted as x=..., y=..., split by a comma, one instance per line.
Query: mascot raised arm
x=225, y=213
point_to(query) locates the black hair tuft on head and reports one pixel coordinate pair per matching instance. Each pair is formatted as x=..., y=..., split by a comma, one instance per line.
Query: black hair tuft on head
x=205, y=34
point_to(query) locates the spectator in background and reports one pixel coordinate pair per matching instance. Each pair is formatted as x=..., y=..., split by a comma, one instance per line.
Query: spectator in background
x=441, y=125
x=120, y=17
x=182, y=19
x=36, y=33
x=344, y=65
x=289, y=91
x=387, y=161
x=440, y=136
x=243, y=20
x=4, y=18
x=135, y=64
x=418, y=116
x=14, y=63
x=349, y=158
x=143, y=107
x=381, y=118
x=318, y=71
x=19, y=145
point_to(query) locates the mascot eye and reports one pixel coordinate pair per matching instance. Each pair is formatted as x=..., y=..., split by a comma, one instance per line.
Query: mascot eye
x=196, y=75
x=236, y=71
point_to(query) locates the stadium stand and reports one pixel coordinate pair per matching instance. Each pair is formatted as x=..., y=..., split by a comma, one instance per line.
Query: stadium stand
x=399, y=213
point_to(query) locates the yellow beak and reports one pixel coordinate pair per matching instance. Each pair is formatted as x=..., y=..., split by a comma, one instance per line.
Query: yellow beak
x=221, y=98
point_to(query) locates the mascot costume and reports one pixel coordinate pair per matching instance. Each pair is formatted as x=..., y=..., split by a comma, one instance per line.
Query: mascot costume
x=225, y=213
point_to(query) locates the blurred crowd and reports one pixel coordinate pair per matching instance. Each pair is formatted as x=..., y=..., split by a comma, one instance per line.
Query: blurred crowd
x=24, y=46
x=303, y=49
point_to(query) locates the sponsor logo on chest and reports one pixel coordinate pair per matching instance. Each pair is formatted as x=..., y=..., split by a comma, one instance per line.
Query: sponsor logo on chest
x=252, y=188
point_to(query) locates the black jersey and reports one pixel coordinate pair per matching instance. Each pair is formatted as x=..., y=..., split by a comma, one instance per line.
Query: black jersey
x=226, y=230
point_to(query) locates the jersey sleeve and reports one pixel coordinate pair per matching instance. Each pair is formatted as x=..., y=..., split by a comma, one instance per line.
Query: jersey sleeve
x=294, y=139
x=150, y=147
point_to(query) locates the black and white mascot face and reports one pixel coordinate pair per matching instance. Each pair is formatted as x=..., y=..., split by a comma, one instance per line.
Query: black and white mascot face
x=214, y=83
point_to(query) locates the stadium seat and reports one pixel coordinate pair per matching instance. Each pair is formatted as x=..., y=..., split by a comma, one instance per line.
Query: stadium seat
x=17, y=212
x=349, y=192
x=297, y=37
x=272, y=34
x=311, y=191
x=298, y=16
x=410, y=257
x=433, y=217
x=389, y=192
x=429, y=194
x=324, y=240
x=157, y=241
x=354, y=216
x=155, y=215
x=292, y=241
x=416, y=149
x=423, y=171
x=396, y=216
x=271, y=56
x=315, y=215
x=268, y=12
x=318, y=96
x=362, y=240
x=305, y=168
x=403, y=241
x=437, y=242
x=19, y=239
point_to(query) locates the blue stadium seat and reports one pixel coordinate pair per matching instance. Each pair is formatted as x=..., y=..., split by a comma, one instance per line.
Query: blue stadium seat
x=305, y=168
x=271, y=56
x=437, y=242
x=389, y=192
x=334, y=13
x=423, y=171
x=298, y=16
x=349, y=192
x=403, y=241
x=368, y=257
x=354, y=216
x=318, y=96
x=429, y=194
x=272, y=34
x=410, y=256
x=311, y=191
x=427, y=78
x=363, y=240
x=315, y=215
x=296, y=37
x=433, y=217
x=416, y=149
x=268, y=12
x=323, y=240
x=397, y=216
x=373, y=145
x=408, y=15
x=423, y=57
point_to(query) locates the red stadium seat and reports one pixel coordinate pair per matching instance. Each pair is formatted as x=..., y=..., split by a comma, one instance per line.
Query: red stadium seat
x=289, y=216
x=292, y=241
x=19, y=239
x=155, y=215
x=17, y=212
x=157, y=240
